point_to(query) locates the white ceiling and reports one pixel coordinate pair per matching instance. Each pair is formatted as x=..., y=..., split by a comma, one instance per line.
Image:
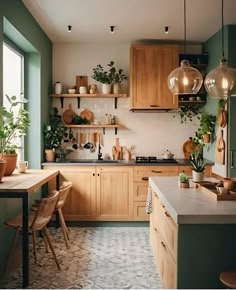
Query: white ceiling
x=134, y=20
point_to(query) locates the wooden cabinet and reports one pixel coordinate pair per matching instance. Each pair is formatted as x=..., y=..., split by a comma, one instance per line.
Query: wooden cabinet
x=115, y=193
x=150, y=66
x=141, y=174
x=98, y=192
x=163, y=237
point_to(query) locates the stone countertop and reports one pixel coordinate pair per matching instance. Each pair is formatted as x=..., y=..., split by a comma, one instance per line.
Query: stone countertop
x=192, y=205
x=93, y=162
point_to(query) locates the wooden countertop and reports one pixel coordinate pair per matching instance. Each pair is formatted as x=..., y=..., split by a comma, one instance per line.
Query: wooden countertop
x=29, y=181
x=192, y=205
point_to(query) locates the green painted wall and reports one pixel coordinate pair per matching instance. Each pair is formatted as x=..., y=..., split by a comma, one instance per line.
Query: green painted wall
x=20, y=27
x=214, y=47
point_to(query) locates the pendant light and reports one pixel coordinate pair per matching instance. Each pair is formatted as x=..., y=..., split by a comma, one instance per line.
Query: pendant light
x=185, y=79
x=221, y=81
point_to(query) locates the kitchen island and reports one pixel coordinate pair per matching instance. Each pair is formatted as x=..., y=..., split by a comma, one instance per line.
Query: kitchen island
x=193, y=236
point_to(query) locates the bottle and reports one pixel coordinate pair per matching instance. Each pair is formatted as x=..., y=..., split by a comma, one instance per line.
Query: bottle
x=58, y=88
x=113, y=120
x=106, y=120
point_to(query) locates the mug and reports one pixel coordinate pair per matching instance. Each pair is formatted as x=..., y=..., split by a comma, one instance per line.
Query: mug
x=22, y=166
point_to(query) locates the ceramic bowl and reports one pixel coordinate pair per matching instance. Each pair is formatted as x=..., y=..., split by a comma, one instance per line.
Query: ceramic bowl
x=71, y=91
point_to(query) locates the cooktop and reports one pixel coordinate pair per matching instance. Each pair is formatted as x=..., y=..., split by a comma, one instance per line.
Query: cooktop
x=153, y=159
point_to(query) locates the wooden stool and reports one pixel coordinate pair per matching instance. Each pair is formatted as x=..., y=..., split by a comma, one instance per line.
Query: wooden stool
x=228, y=278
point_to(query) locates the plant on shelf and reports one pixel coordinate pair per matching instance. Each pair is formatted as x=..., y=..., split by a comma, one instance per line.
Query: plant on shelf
x=54, y=133
x=12, y=126
x=207, y=127
x=183, y=180
x=188, y=113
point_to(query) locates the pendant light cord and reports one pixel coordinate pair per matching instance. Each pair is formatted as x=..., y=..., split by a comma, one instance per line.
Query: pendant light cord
x=222, y=29
x=184, y=26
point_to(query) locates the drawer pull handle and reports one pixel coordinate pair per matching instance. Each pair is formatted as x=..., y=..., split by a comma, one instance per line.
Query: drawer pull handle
x=167, y=214
x=155, y=194
x=144, y=178
x=155, y=230
x=156, y=171
x=163, y=244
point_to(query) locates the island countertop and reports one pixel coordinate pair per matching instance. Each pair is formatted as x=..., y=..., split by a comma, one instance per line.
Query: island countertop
x=192, y=205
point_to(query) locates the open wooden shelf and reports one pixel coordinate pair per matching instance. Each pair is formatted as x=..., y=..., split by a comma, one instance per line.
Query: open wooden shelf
x=103, y=126
x=78, y=96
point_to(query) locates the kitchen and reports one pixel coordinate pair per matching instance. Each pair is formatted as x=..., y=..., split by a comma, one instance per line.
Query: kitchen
x=71, y=59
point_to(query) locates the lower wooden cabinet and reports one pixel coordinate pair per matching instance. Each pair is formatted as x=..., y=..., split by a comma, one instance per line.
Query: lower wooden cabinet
x=163, y=239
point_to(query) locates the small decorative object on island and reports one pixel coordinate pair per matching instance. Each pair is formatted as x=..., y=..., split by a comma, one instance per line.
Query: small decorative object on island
x=11, y=127
x=198, y=166
x=112, y=76
x=183, y=180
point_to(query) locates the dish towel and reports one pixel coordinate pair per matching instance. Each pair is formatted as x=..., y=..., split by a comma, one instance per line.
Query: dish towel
x=149, y=201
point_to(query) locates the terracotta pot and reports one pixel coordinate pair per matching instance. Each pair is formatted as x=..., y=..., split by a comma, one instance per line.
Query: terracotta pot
x=184, y=184
x=49, y=155
x=229, y=183
x=2, y=168
x=10, y=163
x=206, y=138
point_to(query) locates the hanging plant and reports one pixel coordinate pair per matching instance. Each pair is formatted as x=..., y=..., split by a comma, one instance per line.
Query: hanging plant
x=188, y=113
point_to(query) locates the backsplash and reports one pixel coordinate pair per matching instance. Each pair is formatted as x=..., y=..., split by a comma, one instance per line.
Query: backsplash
x=149, y=133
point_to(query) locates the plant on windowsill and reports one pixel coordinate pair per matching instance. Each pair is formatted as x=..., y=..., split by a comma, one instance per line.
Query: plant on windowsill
x=183, y=180
x=12, y=126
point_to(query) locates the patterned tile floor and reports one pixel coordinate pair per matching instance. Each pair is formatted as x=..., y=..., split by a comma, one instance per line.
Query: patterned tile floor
x=99, y=258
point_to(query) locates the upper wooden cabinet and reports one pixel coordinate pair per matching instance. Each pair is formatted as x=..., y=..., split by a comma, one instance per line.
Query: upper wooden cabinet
x=150, y=66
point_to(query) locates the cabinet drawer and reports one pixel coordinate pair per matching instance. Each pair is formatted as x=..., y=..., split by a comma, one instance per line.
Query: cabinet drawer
x=168, y=229
x=141, y=173
x=140, y=191
x=140, y=211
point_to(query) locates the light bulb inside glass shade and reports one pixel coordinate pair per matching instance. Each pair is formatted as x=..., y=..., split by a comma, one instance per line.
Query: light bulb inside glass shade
x=185, y=79
x=221, y=81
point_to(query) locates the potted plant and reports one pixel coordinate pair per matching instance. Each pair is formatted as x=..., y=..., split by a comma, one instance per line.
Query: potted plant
x=104, y=77
x=117, y=77
x=198, y=165
x=207, y=127
x=53, y=132
x=188, y=113
x=183, y=180
x=12, y=127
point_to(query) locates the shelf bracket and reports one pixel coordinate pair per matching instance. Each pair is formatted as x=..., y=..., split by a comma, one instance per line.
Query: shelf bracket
x=62, y=102
x=104, y=131
x=115, y=102
x=78, y=102
x=116, y=131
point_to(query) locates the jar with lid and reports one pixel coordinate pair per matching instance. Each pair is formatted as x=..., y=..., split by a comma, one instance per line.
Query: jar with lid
x=58, y=88
x=113, y=120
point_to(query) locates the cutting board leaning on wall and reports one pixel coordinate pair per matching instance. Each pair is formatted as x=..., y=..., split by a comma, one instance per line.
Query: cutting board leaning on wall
x=220, y=148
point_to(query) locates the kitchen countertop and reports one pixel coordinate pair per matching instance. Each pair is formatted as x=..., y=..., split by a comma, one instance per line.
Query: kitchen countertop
x=94, y=162
x=191, y=205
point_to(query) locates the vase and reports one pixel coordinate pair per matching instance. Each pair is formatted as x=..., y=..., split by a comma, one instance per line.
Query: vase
x=10, y=163
x=116, y=88
x=49, y=155
x=106, y=88
x=2, y=168
x=58, y=88
x=197, y=176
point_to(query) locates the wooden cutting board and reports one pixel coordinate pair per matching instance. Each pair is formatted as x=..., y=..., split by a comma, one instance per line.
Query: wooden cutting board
x=220, y=149
x=188, y=147
x=67, y=115
x=81, y=81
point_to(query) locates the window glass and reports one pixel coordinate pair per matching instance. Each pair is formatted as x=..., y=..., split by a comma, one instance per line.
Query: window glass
x=13, y=63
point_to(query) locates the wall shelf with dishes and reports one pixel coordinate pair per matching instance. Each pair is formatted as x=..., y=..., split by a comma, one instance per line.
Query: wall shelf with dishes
x=78, y=96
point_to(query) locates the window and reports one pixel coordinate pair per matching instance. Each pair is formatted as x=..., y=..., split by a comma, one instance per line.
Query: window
x=13, y=79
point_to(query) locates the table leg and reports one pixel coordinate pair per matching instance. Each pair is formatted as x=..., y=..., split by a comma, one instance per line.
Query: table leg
x=25, y=241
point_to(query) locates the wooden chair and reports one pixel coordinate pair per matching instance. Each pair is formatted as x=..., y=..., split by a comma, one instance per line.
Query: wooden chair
x=228, y=278
x=38, y=220
x=63, y=193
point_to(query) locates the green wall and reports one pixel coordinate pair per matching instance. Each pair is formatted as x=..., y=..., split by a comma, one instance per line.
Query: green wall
x=18, y=25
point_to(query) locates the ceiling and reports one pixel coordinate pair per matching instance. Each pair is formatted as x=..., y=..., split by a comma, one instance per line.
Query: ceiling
x=134, y=20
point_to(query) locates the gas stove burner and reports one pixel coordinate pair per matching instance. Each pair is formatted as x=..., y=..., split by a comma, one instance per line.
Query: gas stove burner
x=153, y=159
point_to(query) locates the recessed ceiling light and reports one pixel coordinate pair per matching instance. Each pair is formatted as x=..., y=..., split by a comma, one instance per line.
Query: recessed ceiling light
x=166, y=29
x=69, y=28
x=112, y=29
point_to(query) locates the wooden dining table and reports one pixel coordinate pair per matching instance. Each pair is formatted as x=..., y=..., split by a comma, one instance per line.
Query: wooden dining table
x=21, y=185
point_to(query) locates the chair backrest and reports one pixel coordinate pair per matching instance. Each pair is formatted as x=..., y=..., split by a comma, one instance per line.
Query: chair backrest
x=44, y=211
x=63, y=193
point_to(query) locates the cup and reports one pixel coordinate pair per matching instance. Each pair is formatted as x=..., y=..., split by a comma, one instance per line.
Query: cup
x=22, y=166
x=83, y=90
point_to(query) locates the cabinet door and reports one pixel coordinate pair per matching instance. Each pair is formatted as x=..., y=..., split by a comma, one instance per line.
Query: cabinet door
x=115, y=192
x=150, y=66
x=81, y=202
